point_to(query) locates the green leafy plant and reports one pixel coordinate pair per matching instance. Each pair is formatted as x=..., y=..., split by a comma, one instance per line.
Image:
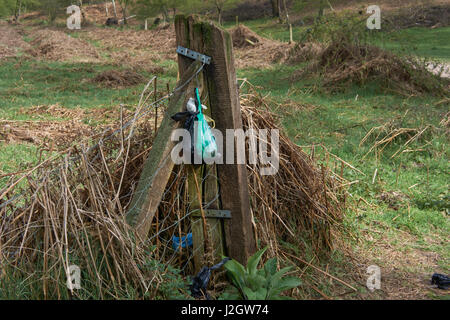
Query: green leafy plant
x=251, y=283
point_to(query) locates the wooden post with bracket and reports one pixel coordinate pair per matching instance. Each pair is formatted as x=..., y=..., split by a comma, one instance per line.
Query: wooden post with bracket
x=219, y=90
x=226, y=225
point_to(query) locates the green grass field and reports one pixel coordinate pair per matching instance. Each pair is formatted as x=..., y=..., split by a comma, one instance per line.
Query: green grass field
x=341, y=120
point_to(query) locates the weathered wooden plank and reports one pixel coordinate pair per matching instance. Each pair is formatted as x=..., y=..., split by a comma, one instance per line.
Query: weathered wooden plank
x=214, y=227
x=220, y=79
x=198, y=238
x=159, y=165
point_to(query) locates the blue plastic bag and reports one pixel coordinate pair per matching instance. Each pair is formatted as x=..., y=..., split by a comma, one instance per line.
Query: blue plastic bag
x=186, y=241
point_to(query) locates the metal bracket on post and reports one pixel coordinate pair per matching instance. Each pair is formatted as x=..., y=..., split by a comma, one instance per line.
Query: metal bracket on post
x=193, y=55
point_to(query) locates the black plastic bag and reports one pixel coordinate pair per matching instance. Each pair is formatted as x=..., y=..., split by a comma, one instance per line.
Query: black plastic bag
x=189, y=118
x=442, y=281
x=200, y=281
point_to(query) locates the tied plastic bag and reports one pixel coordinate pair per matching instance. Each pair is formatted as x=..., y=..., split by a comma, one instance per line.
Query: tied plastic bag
x=200, y=281
x=203, y=143
x=206, y=146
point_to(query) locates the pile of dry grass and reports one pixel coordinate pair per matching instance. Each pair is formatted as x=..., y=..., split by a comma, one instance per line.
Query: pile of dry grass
x=44, y=133
x=107, y=114
x=97, y=12
x=160, y=42
x=115, y=78
x=303, y=52
x=301, y=200
x=395, y=132
x=252, y=50
x=244, y=37
x=73, y=213
x=58, y=134
x=344, y=62
x=59, y=46
x=74, y=205
x=429, y=15
x=138, y=60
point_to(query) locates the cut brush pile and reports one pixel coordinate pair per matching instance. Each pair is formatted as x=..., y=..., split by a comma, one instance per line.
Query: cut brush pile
x=59, y=46
x=394, y=132
x=252, y=50
x=73, y=212
x=344, y=62
x=301, y=200
x=115, y=78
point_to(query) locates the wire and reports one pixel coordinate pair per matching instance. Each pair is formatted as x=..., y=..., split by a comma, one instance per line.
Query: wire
x=142, y=113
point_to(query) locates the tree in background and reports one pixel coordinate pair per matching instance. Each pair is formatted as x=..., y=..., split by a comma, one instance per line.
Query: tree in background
x=17, y=7
x=17, y=10
x=275, y=8
x=220, y=6
x=321, y=9
x=151, y=8
x=6, y=7
x=53, y=7
x=124, y=6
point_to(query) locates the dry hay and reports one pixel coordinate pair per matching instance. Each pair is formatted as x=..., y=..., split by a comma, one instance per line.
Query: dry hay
x=301, y=200
x=259, y=52
x=74, y=210
x=115, y=78
x=59, y=46
x=394, y=199
x=303, y=52
x=244, y=37
x=138, y=60
x=344, y=62
x=395, y=132
x=11, y=42
x=97, y=12
x=74, y=214
x=158, y=41
x=430, y=15
x=100, y=116
x=54, y=110
x=107, y=114
x=49, y=134
x=58, y=134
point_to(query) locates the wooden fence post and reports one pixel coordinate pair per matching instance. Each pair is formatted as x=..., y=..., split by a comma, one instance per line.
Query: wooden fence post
x=219, y=90
x=219, y=79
